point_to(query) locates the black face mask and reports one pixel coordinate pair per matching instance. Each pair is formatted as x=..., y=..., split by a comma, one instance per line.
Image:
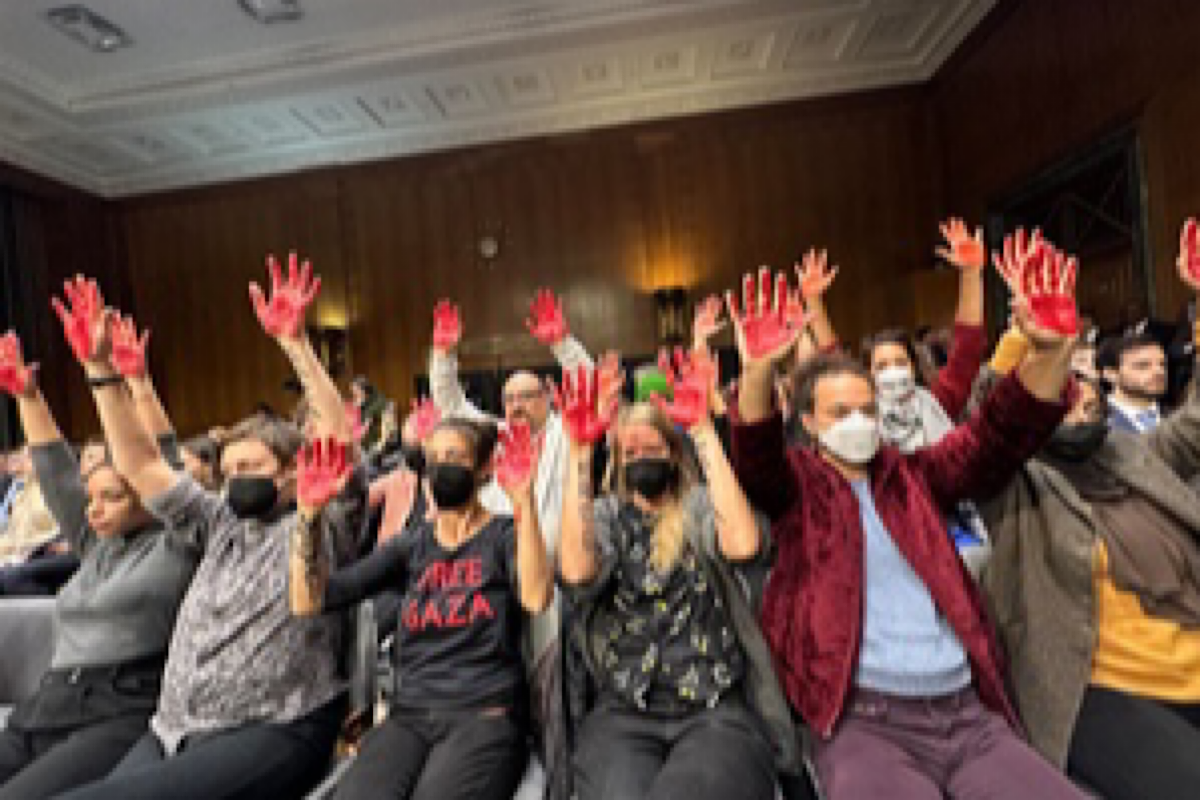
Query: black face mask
x=251, y=497
x=650, y=477
x=452, y=485
x=414, y=458
x=1077, y=442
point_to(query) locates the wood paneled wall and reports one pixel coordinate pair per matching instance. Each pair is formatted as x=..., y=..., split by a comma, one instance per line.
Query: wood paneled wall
x=59, y=232
x=603, y=218
x=1043, y=79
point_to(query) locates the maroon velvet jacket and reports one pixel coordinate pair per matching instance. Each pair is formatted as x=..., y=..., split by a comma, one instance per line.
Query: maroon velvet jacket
x=952, y=389
x=812, y=610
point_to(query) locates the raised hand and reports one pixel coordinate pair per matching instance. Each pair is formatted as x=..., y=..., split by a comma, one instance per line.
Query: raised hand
x=83, y=321
x=447, y=326
x=763, y=331
x=707, y=322
x=16, y=378
x=423, y=418
x=1018, y=249
x=962, y=249
x=815, y=274
x=578, y=399
x=322, y=472
x=691, y=379
x=516, y=460
x=282, y=317
x=1189, y=255
x=1045, y=295
x=546, y=320
x=610, y=380
x=128, y=350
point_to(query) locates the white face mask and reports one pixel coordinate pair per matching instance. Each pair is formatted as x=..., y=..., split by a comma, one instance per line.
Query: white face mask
x=854, y=438
x=895, y=385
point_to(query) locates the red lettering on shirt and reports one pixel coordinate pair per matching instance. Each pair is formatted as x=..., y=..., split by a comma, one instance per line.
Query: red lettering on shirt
x=480, y=607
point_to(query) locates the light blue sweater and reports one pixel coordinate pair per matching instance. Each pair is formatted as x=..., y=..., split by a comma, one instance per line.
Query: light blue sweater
x=908, y=649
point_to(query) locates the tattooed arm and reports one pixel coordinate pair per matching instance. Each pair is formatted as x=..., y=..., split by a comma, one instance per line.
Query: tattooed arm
x=308, y=566
x=737, y=531
x=577, y=556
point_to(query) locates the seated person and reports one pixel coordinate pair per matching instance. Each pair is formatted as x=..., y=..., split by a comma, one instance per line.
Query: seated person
x=113, y=619
x=252, y=697
x=1095, y=588
x=459, y=725
x=662, y=575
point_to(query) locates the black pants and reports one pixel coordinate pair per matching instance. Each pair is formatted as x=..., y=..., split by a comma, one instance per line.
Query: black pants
x=718, y=753
x=1127, y=747
x=39, y=765
x=429, y=757
x=259, y=760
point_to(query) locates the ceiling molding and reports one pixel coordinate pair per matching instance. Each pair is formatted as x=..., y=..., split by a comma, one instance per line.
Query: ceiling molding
x=509, y=72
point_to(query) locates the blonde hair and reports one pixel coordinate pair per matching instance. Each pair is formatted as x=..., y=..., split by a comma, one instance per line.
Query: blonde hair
x=666, y=541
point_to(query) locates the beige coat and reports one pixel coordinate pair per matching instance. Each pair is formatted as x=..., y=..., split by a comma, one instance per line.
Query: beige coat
x=29, y=525
x=1039, y=582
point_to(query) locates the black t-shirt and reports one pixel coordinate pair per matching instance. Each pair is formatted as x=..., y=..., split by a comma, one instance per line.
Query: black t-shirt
x=458, y=644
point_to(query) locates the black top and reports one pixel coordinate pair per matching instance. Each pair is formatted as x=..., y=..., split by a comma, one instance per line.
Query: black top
x=458, y=641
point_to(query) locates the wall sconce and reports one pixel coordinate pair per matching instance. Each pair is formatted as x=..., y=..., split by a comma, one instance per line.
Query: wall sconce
x=332, y=345
x=671, y=307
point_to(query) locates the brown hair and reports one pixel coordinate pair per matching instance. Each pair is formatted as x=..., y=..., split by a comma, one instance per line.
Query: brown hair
x=280, y=437
x=666, y=543
x=823, y=366
x=481, y=435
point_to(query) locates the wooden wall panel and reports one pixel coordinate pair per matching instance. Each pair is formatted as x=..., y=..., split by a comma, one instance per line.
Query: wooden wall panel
x=1047, y=78
x=604, y=218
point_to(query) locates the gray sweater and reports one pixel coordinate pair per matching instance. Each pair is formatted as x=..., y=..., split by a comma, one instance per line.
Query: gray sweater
x=120, y=605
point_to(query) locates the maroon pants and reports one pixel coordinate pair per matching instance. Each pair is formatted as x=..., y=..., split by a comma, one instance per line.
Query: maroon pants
x=930, y=749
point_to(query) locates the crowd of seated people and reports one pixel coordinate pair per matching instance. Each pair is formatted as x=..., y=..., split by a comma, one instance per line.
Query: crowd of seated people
x=916, y=571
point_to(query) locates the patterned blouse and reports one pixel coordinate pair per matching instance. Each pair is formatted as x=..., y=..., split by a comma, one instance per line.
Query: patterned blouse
x=668, y=643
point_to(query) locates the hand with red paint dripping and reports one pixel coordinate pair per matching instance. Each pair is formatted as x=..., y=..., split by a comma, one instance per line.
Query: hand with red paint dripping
x=447, y=326
x=1189, y=255
x=585, y=419
x=962, y=249
x=546, y=320
x=282, y=317
x=691, y=378
x=83, y=320
x=1045, y=307
x=128, y=350
x=322, y=472
x=516, y=463
x=762, y=329
x=16, y=377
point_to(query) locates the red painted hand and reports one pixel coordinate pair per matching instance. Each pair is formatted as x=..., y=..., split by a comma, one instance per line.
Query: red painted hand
x=128, y=351
x=763, y=331
x=322, y=472
x=16, y=378
x=815, y=274
x=962, y=249
x=1048, y=286
x=81, y=321
x=1189, y=255
x=691, y=381
x=423, y=417
x=1018, y=249
x=517, y=459
x=447, y=326
x=283, y=315
x=546, y=320
x=579, y=400
x=610, y=380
